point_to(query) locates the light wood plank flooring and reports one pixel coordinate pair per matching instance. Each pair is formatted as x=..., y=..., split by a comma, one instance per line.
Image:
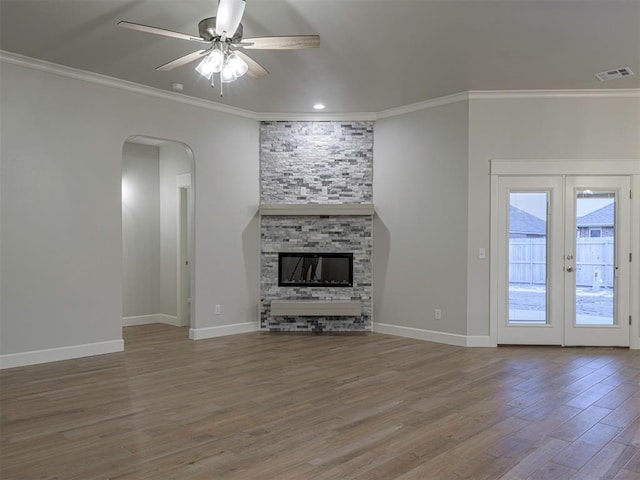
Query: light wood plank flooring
x=261, y=406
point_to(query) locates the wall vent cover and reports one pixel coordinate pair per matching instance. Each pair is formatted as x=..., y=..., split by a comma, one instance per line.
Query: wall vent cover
x=614, y=74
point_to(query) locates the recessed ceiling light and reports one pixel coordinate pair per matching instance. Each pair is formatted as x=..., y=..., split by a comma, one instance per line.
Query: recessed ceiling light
x=319, y=106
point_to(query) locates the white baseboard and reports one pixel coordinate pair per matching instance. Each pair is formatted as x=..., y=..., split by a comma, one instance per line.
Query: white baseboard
x=480, y=341
x=224, y=330
x=56, y=354
x=149, y=319
x=433, y=336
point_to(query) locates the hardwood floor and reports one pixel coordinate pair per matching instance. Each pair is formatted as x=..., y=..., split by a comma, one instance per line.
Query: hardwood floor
x=322, y=407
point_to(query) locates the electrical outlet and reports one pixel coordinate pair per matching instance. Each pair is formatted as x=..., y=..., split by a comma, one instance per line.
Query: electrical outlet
x=482, y=253
x=325, y=190
x=437, y=314
x=303, y=190
x=218, y=310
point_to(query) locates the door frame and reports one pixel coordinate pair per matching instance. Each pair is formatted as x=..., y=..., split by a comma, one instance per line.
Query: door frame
x=584, y=334
x=554, y=167
x=552, y=332
x=183, y=182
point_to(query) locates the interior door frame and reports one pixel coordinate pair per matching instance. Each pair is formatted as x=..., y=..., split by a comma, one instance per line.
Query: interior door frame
x=183, y=182
x=563, y=167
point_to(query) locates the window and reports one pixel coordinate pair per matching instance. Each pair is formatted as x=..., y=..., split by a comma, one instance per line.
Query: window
x=595, y=232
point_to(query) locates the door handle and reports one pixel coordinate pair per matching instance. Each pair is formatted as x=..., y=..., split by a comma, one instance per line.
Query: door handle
x=569, y=269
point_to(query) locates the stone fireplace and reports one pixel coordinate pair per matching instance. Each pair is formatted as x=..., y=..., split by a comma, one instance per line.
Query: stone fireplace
x=316, y=226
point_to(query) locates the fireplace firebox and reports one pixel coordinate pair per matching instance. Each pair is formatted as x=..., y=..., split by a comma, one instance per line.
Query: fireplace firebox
x=315, y=269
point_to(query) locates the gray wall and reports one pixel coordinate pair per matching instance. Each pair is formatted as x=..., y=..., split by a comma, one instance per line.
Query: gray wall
x=547, y=128
x=426, y=163
x=61, y=208
x=420, y=233
x=140, y=230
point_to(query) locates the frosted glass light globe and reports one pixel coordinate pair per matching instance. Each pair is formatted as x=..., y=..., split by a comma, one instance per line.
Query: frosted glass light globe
x=227, y=75
x=238, y=65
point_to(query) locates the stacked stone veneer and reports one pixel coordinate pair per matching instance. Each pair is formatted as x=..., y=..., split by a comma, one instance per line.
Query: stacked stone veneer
x=339, y=234
x=313, y=155
x=335, y=155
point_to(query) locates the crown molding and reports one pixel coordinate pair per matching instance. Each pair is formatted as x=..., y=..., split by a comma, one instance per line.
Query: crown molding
x=69, y=72
x=509, y=95
x=416, y=107
x=526, y=94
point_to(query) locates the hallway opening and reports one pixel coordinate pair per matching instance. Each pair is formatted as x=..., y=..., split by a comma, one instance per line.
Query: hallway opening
x=157, y=232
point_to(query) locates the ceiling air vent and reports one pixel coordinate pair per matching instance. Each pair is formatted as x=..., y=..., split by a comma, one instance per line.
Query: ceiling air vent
x=614, y=74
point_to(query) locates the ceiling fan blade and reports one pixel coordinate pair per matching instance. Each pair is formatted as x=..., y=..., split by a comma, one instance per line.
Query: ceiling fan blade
x=160, y=31
x=255, y=69
x=178, y=62
x=228, y=16
x=290, y=42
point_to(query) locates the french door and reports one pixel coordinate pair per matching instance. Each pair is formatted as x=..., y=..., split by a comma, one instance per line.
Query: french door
x=563, y=260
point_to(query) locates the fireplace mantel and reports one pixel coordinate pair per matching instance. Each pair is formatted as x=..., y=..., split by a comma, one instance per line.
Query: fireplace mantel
x=316, y=308
x=326, y=209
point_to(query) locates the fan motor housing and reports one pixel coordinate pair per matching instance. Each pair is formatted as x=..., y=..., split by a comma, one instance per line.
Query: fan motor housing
x=207, y=30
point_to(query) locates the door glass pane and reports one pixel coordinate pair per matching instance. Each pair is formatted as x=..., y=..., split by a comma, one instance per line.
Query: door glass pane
x=528, y=258
x=595, y=257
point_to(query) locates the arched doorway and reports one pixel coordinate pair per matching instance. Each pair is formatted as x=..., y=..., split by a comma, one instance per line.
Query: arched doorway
x=157, y=232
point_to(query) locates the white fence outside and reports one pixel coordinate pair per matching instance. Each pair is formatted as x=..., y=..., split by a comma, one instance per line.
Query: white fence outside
x=594, y=261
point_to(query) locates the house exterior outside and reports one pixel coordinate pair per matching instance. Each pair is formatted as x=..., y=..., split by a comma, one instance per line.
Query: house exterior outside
x=524, y=225
x=598, y=223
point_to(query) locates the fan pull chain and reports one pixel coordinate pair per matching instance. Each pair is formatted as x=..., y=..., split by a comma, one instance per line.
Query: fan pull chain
x=221, y=94
x=212, y=84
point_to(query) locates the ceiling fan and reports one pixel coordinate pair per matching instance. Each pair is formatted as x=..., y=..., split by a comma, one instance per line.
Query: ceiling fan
x=222, y=39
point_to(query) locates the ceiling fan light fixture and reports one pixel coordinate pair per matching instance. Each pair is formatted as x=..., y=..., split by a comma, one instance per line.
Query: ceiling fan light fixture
x=227, y=75
x=211, y=64
x=237, y=65
x=205, y=69
x=229, y=16
x=217, y=59
x=223, y=35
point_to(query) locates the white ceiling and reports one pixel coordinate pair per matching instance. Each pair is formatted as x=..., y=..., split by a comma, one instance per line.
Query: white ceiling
x=374, y=54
